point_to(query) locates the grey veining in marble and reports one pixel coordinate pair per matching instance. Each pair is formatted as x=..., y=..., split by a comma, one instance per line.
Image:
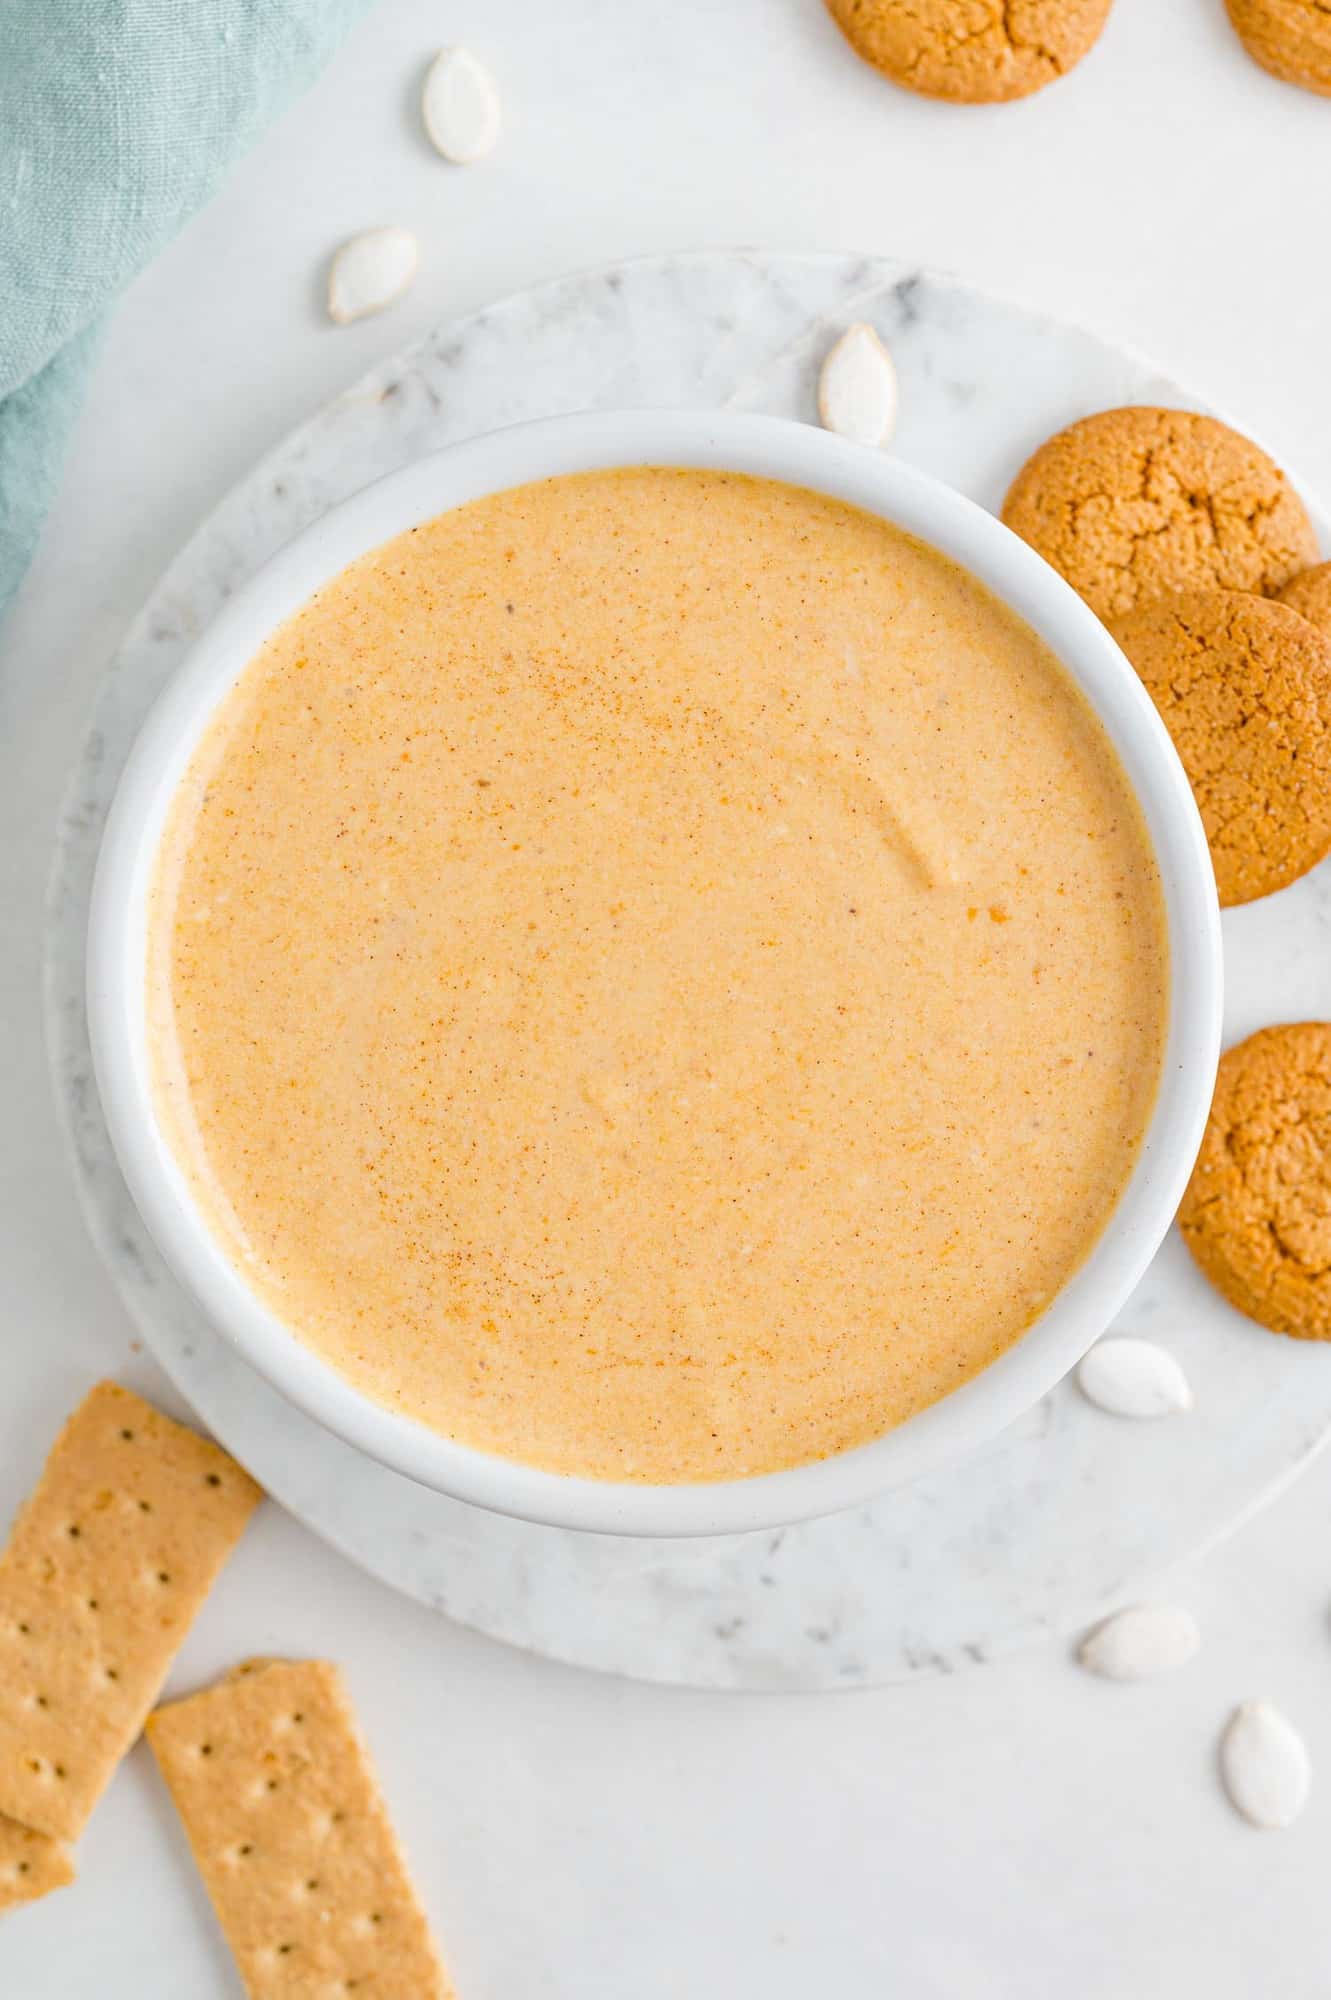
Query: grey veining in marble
x=1066, y=1512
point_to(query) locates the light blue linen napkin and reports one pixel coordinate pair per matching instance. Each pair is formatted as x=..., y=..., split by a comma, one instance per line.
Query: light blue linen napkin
x=118, y=119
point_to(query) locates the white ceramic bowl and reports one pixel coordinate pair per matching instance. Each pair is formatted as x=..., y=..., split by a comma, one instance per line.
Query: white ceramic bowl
x=804, y=456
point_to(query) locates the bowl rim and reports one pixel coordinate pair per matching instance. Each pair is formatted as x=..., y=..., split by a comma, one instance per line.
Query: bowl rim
x=801, y=455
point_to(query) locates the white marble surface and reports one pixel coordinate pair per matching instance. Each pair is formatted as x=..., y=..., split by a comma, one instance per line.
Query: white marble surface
x=1020, y=1830
x=1070, y=1510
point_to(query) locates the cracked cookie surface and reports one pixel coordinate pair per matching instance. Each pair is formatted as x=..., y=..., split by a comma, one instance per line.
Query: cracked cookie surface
x=1257, y=1212
x=1309, y=593
x=1244, y=687
x=1139, y=503
x=1290, y=38
x=971, y=51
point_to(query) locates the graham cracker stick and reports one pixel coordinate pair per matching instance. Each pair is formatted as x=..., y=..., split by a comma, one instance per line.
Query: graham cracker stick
x=283, y=1812
x=31, y=1864
x=107, y=1564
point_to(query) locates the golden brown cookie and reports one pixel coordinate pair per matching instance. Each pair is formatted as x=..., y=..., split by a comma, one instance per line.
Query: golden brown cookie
x=1257, y=1213
x=1141, y=502
x=1244, y=686
x=971, y=51
x=1309, y=593
x=1290, y=38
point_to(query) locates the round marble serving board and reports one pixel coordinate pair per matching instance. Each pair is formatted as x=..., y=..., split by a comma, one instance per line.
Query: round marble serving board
x=1064, y=1513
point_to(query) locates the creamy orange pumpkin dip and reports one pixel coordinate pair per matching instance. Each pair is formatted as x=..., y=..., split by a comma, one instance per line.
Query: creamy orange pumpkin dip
x=657, y=974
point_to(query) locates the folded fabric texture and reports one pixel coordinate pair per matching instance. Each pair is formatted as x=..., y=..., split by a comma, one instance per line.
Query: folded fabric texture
x=118, y=119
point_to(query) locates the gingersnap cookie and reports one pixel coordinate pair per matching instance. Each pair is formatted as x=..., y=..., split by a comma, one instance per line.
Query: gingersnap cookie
x=1140, y=502
x=1257, y=1212
x=1309, y=593
x=1290, y=38
x=971, y=51
x=1244, y=686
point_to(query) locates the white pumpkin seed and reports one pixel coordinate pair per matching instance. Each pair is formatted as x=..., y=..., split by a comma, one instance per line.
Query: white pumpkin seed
x=1264, y=1764
x=370, y=271
x=1134, y=1644
x=460, y=107
x=857, y=388
x=1134, y=1378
